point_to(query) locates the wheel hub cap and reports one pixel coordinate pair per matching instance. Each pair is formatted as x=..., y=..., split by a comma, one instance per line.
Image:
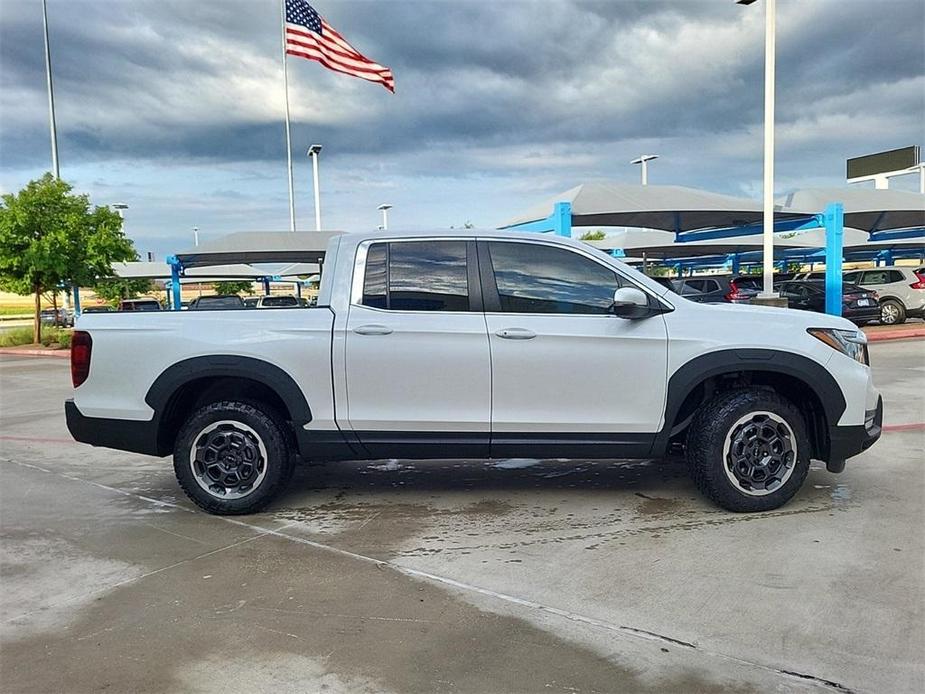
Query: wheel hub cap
x=228, y=459
x=760, y=453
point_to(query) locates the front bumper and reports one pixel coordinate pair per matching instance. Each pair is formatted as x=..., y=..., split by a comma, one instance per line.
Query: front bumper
x=848, y=441
x=122, y=434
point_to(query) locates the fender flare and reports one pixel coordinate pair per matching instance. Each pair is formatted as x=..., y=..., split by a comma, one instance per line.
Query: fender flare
x=727, y=361
x=179, y=374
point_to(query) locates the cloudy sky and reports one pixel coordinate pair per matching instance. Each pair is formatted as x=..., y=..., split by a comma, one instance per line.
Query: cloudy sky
x=175, y=107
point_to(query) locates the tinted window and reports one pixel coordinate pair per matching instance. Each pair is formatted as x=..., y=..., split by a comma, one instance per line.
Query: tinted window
x=695, y=286
x=711, y=285
x=374, y=284
x=271, y=301
x=417, y=276
x=532, y=278
x=876, y=277
x=896, y=276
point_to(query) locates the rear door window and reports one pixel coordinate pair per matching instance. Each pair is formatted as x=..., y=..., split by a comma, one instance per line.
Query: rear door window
x=417, y=276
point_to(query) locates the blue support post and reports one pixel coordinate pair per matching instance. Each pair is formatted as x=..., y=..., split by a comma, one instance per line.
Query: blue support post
x=834, y=218
x=562, y=219
x=735, y=264
x=266, y=286
x=175, y=268
x=680, y=270
x=888, y=257
x=76, y=301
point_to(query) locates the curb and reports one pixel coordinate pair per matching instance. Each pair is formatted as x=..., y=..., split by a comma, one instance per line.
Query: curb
x=60, y=353
x=883, y=336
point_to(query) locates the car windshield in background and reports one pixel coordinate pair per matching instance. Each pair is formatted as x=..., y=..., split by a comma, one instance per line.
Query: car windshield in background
x=278, y=301
x=210, y=303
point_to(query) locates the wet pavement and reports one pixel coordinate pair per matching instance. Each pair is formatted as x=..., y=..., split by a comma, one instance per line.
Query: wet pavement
x=456, y=576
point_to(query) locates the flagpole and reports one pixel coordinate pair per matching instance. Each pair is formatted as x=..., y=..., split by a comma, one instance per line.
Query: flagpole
x=51, y=96
x=282, y=16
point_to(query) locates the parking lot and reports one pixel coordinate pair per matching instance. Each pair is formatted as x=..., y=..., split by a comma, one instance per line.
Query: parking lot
x=457, y=576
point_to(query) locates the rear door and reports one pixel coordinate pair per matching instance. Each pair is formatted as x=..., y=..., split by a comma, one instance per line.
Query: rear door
x=418, y=369
x=565, y=370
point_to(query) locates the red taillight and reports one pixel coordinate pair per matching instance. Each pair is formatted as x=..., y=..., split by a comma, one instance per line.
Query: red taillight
x=921, y=281
x=81, y=346
x=734, y=293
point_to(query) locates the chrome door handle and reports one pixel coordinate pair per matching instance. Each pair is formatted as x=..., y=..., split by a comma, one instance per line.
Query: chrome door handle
x=516, y=334
x=372, y=330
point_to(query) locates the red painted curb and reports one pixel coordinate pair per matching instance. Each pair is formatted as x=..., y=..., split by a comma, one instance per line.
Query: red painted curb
x=61, y=353
x=884, y=335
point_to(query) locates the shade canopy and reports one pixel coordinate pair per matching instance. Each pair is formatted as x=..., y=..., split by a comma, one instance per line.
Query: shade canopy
x=260, y=247
x=660, y=245
x=299, y=270
x=159, y=271
x=671, y=208
x=867, y=209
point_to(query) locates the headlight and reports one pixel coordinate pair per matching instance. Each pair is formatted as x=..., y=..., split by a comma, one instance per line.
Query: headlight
x=851, y=343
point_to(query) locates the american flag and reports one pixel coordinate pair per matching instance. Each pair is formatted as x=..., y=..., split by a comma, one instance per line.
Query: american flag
x=308, y=35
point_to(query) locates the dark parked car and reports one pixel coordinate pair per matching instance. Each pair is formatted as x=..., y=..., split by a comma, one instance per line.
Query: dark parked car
x=216, y=302
x=715, y=289
x=859, y=305
x=147, y=304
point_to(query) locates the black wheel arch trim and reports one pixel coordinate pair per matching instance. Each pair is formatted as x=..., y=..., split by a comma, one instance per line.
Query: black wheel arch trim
x=177, y=375
x=729, y=361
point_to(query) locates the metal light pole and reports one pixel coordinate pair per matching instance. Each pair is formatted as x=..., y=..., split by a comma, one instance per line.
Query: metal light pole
x=313, y=152
x=120, y=208
x=385, y=207
x=768, y=215
x=196, y=236
x=51, y=97
x=644, y=171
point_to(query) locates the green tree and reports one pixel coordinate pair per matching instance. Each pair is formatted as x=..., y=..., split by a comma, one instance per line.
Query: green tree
x=236, y=287
x=593, y=235
x=50, y=237
x=114, y=290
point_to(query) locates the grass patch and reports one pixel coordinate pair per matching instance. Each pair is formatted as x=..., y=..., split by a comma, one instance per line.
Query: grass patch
x=23, y=336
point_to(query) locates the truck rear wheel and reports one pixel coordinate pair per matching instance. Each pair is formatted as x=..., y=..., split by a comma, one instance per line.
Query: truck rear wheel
x=232, y=458
x=747, y=450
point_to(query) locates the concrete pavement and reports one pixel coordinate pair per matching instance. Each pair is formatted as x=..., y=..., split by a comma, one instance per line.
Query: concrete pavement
x=456, y=576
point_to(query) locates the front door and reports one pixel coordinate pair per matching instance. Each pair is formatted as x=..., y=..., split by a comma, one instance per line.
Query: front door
x=566, y=372
x=417, y=355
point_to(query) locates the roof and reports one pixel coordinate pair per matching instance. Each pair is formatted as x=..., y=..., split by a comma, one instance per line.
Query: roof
x=260, y=247
x=156, y=271
x=867, y=209
x=670, y=208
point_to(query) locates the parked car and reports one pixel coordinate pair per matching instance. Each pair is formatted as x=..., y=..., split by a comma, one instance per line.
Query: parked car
x=859, y=305
x=213, y=302
x=901, y=290
x=814, y=275
x=463, y=344
x=712, y=289
x=146, y=304
x=60, y=317
x=271, y=301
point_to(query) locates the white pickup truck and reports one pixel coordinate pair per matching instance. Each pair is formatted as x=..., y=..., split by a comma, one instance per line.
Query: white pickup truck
x=470, y=344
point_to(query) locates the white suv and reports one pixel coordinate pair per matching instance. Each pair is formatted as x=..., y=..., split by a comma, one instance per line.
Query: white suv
x=901, y=290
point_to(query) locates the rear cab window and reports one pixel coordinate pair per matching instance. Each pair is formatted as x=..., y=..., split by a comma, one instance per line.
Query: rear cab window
x=417, y=276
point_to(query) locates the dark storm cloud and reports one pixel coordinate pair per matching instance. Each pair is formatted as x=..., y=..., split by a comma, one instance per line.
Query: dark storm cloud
x=197, y=80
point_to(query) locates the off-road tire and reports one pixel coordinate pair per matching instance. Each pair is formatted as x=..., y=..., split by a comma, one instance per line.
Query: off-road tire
x=707, y=435
x=263, y=422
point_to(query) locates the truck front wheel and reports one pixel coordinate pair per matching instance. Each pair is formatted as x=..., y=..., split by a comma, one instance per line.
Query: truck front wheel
x=747, y=450
x=232, y=458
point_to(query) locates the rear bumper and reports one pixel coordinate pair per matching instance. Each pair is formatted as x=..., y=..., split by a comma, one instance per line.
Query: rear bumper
x=122, y=434
x=845, y=442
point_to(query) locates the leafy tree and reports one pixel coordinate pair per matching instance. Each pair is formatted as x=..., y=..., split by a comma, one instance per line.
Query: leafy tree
x=114, y=290
x=237, y=287
x=50, y=237
x=593, y=235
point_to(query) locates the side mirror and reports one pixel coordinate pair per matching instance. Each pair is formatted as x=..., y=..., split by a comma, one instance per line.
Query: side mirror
x=629, y=302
